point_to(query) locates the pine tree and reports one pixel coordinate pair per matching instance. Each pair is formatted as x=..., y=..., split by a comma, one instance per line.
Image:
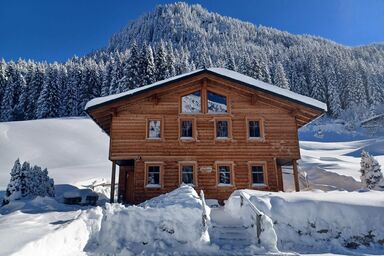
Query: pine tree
x=147, y=65
x=132, y=68
x=371, y=175
x=35, y=86
x=27, y=182
x=316, y=80
x=279, y=77
x=3, y=79
x=13, y=191
x=161, y=62
x=48, y=102
x=107, y=77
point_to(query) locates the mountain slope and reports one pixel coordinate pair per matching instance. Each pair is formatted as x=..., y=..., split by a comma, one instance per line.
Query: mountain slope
x=178, y=38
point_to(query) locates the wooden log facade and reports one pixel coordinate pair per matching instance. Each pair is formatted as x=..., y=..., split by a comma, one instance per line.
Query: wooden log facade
x=153, y=166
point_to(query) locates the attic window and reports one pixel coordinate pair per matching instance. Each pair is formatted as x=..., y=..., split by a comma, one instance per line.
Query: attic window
x=191, y=103
x=216, y=103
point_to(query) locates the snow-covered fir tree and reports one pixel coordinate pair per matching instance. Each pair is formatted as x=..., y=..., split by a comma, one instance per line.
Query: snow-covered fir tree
x=28, y=181
x=279, y=77
x=48, y=102
x=371, y=175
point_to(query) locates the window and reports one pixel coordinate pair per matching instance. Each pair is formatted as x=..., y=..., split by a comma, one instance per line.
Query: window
x=216, y=103
x=254, y=129
x=257, y=174
x=154, y=129
x=153, y=178
x=224, y=174
x=186, y=129
x=187, y=174
x=222, y=130
x=191, y=103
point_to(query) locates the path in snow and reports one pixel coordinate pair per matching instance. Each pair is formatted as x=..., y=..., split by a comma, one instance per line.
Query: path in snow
x=230, y=234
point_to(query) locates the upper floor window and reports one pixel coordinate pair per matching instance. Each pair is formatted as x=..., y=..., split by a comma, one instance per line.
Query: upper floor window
x=154, y=129
x=191, y=103
x=186, y=129
x=216, y=103
x=222, y=129
x=254, y=128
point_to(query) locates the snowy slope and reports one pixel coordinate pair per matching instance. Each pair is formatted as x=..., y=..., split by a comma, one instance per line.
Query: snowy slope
x=73, y=150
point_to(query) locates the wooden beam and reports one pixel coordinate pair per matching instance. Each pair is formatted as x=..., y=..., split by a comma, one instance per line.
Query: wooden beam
x=254, y=99
x=113, y=177
x=155, y=99
x=296, y=175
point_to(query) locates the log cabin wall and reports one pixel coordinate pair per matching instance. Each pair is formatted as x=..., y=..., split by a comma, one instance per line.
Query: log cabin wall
x=129, y=138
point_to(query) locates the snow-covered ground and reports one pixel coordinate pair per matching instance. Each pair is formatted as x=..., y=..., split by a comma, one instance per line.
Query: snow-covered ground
x=75, y=151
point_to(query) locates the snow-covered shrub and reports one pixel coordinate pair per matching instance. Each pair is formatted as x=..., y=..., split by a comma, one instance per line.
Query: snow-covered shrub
x=28, y=181
x=371, y=175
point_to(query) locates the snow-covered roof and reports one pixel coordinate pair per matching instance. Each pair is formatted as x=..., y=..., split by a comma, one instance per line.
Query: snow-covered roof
x=223, y=72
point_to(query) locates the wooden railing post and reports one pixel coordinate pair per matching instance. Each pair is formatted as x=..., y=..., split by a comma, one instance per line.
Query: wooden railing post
x=296, y=175
x=113, y=177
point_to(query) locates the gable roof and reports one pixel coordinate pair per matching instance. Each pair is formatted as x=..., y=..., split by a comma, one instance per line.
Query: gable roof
x=222, y=72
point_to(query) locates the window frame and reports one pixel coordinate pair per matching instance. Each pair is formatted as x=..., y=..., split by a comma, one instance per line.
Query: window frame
x=261, y=127
x=194, y=170
x=207, y=91
x=229, y=121
x=230, y=164
x=161, y=175
x=263, y=164
x=147, y=120
x=194, y=130
x=204, y=89
x=188, y=93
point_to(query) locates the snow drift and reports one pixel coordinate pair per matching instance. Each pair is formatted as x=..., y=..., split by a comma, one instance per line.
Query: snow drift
x=309, y=222
x=170, y=222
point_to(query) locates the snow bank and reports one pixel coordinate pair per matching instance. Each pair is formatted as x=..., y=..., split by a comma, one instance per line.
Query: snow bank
x=323, y=221
x=68, y=239
x=168, y=222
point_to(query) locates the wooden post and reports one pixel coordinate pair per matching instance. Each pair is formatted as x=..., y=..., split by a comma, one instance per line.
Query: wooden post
x=113, y=177
x=296, y=175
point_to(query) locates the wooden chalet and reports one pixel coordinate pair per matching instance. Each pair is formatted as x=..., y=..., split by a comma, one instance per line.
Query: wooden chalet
x=215, y=129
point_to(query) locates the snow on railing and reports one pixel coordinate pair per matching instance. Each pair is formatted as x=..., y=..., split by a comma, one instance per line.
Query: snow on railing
x=204, y=214
x=257, y=214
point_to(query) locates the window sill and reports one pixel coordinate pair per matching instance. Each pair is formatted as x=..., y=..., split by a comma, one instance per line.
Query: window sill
x=188, y=184
x=259, y=185
x=153, y=186
x=187, y=139
x=256, y=139
x=154, y=139
x=223, y=139
x=222, y=185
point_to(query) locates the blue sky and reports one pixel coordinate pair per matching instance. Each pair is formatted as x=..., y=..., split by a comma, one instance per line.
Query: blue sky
x=58, y=29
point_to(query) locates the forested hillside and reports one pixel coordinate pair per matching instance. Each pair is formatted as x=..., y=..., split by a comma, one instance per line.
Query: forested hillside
x=178, y=38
